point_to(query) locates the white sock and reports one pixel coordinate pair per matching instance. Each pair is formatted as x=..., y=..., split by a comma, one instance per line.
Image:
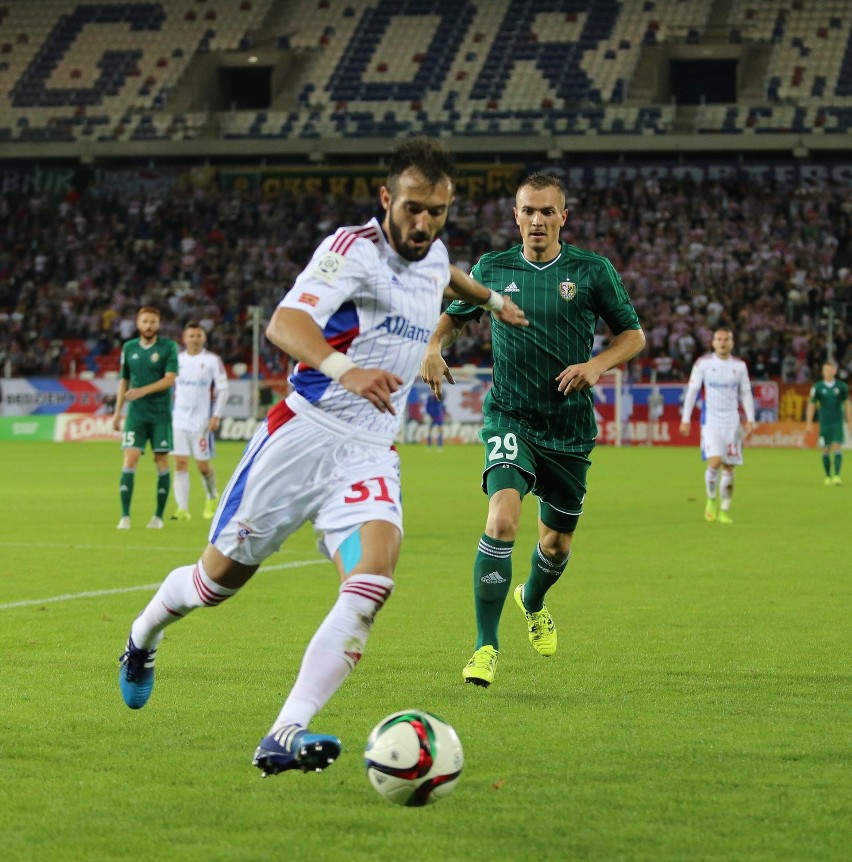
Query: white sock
x=711, y=478
x=209, y=483
x=183, y=590
x=335, y=649
x=726, y=489
x=181, y=488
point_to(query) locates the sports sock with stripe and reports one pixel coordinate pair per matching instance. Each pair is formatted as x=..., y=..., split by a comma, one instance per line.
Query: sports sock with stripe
x=336, y=648
x=126, y=491
x=184, y=589
x=492, y=578
x=544, y=573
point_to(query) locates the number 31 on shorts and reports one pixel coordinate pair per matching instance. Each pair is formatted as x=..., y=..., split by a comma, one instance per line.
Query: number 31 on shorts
x=376, y=489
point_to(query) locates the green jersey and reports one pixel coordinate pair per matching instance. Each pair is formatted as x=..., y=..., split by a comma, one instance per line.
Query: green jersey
x=563, y=300
x=830, y=397
x=141, y=366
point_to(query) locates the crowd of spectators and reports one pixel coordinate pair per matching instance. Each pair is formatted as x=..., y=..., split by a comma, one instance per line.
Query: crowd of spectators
x=774, y=263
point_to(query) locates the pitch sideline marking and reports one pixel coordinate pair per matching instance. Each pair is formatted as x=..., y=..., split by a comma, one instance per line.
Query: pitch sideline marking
x=66, y=597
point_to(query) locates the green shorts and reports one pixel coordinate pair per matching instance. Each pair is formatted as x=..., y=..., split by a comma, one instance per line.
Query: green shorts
x=831, y=433
x=137, y=434
x=558, y=479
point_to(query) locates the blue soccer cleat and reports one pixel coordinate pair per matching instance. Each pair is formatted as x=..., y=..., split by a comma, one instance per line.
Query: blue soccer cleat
x=136, y=674
x=293, y=747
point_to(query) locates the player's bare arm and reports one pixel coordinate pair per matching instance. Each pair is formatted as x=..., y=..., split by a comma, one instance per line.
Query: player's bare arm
x=165, y=382
x=434, y=369
x=296, y=333
x=119, y=404
x=584, y=375
x=463, y=286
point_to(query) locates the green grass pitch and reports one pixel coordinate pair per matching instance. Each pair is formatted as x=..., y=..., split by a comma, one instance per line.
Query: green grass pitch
x=697, y=708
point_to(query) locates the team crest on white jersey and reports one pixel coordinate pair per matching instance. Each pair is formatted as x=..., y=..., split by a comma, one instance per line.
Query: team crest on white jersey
x=567, y=290
x=329, y=266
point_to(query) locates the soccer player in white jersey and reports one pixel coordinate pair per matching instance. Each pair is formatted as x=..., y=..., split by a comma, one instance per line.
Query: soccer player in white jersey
x=201, y=391
x=726, y=385
x=357, y=321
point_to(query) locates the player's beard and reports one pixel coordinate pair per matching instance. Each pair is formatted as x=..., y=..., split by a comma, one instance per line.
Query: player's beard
x=403, y=249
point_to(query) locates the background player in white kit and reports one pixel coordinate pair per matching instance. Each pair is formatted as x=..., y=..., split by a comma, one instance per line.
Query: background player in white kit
x=726, y=385
x=201, y=391
x=366, y=303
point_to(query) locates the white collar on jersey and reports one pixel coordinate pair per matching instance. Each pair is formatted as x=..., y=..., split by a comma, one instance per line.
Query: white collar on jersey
x=543, y=266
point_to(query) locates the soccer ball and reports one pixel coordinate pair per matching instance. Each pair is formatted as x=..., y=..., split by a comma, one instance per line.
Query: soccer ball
x=413, y=758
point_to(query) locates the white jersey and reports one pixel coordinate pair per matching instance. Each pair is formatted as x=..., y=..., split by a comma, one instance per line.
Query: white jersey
x=200, y=378
x=377, y=308
x=726, y=385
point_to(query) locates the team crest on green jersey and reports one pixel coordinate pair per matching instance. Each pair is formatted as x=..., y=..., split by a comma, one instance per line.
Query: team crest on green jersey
x=567, y=290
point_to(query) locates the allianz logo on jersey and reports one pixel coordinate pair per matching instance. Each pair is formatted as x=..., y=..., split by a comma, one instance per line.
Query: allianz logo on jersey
x=399, y=325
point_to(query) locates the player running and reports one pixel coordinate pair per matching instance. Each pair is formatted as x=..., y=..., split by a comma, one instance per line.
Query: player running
x=356, y=321
x=540, y=424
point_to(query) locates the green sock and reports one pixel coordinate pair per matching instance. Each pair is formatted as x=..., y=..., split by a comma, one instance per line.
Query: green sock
x=125, y=491
x=492, y=577
x=838, y=463
x=163, y=483
x=826, y=464
x=544, y=573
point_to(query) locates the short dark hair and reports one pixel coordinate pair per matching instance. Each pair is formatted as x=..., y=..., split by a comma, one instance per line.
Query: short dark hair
x=192, y=324
x=425, y=155
x=544, y=181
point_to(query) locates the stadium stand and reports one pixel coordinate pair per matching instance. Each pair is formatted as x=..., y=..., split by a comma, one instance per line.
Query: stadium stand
x=114, y=71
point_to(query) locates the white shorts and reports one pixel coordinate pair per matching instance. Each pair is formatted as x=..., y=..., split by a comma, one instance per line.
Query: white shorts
x=304, y=472
x=722, y=442
x=198, y=444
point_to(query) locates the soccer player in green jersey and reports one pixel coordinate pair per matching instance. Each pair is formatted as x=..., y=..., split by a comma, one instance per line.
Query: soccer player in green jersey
x=149, y=366
x=832, y=397
x=539, y=427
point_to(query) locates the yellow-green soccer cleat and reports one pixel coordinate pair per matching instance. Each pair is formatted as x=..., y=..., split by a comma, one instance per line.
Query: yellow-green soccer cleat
x=480, y=669
x=837, y=481
x=725, y=518
x=181, y=515
x=710, y=509
x=827, y=481
x=210, y=505
x=540, y=624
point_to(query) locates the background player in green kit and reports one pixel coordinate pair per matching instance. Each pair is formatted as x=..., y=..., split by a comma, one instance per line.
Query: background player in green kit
x=539, y=425
x=832, y=398
x=149, y=366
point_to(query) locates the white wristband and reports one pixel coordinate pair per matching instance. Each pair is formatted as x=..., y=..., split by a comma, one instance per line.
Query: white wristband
x=335, y=365
x=495, y=301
